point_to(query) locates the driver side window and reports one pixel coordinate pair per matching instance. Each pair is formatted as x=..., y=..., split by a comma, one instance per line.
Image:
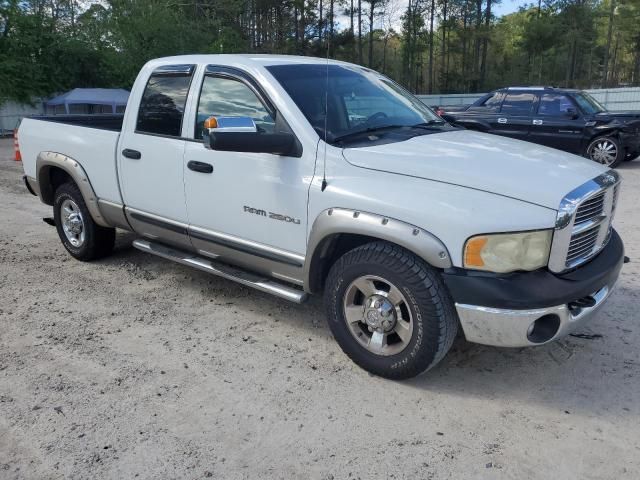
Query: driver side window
x=226, y=97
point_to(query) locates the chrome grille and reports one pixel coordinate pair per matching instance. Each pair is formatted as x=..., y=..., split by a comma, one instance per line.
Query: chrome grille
x=616, y=191
x=582, y=244
x=590, y=209
x=583, y=226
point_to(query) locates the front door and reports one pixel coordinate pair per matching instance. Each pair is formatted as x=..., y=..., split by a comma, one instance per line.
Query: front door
x=557, y=123
x=248, y=209
x=150, y=158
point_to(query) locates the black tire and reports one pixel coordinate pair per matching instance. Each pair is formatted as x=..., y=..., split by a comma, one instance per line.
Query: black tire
x=97, y=242
x=427, y=298
x=612, y=142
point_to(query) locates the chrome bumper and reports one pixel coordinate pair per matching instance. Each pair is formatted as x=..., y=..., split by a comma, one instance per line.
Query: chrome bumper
x=514, y=328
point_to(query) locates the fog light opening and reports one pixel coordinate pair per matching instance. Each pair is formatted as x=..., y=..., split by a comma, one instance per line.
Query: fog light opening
x=543, y=329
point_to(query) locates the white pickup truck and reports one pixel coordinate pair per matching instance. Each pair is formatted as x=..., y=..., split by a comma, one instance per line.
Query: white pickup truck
x=299, y=176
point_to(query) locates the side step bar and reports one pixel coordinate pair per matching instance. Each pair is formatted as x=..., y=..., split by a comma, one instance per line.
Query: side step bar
x=201, y=263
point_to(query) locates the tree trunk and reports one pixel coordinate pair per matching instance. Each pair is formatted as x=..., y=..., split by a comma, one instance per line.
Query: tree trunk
x=372, y=4
x=351, y=19
x=303, y=27
x=614, y=63
x=635, y=79
x=446, y=72
x=351, y=31
x=296, y=26
x=485, y=45
x=476, y=55
x=465, y=22
x=607, y=50
x=384, y=54
x=331, y=4
x=360, y=32
x=431, y=15
x=320, y=23
x=443, y=80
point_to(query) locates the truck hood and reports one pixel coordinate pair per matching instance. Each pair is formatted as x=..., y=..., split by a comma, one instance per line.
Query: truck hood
x=622, y=115
x=499, y=165
x=629, y=119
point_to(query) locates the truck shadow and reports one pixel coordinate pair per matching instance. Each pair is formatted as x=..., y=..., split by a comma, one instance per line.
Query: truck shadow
x=593, y=374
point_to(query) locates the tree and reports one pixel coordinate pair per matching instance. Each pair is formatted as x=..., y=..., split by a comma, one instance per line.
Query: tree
x=50, y=46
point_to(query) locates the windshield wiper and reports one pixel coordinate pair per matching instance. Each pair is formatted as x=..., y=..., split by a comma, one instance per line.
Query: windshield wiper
x=425, y=125
x=339, y=138
x=429, y=124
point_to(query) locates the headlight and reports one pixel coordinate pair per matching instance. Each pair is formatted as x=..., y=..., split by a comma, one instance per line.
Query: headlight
x=507, y=252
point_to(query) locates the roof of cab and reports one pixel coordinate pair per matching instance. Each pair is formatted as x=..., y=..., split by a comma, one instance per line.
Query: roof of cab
x=254, y=60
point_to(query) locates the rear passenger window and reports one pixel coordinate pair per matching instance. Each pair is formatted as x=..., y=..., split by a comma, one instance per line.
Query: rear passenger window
x=554, y=104
x=517, y=104
x=162, y=105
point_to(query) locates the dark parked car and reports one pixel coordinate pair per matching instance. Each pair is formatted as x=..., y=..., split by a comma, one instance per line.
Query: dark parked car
x=569, y=120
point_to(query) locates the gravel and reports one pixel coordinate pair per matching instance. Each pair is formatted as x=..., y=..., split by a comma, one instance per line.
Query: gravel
x=137, y=367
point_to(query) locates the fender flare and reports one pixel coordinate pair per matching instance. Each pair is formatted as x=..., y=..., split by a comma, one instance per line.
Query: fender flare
x=46, y=161
x=345, y=221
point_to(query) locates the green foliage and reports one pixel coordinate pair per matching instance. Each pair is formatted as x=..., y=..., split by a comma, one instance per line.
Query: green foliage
x=50, y=47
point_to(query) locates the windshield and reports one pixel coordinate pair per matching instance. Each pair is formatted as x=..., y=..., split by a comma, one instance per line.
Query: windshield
x=588, y=104
x=359, y=100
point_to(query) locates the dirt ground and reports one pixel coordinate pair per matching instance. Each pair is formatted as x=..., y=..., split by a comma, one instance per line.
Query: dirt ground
x=137, y=367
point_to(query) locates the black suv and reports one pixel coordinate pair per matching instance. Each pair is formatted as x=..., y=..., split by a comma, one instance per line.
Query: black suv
x=569, y=120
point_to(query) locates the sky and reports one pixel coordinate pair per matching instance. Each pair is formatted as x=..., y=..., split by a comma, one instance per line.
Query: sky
x=508, y=6
x=498, y=9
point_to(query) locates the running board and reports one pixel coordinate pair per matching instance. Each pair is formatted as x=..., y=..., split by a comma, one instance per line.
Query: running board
x=230, y=273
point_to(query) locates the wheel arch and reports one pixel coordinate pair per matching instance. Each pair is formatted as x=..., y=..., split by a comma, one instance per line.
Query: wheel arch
x=337, y=230
x=605, y=132
x=53, y=169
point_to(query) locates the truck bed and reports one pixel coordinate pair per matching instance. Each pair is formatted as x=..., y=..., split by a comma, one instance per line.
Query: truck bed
x=103, y=121
x=90, y=140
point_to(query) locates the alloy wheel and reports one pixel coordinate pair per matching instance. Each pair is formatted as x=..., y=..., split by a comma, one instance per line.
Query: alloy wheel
x=378, y=315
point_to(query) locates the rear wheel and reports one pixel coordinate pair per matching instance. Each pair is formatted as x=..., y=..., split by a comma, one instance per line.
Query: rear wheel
x=389, y=311
x=81, y=236
x=606, y=150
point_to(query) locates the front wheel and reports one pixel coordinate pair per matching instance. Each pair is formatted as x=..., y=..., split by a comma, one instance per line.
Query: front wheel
x=81, y=236
x=389, y=311
x=606, y=150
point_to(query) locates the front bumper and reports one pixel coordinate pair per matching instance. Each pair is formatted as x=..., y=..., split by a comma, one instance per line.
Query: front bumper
x=532, y=308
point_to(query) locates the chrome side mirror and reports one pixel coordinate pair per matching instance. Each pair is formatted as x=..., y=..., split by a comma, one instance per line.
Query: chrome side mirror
x=226, y=124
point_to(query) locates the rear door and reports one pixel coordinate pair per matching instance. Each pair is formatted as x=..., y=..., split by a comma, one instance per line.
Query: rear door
x=514, y=119
x=150, y=158
x=557, y=123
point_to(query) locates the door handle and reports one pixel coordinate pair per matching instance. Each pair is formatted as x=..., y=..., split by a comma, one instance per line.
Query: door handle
x=200, y=167
x=133, y=154
x=537, y=122
x=502, y=120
